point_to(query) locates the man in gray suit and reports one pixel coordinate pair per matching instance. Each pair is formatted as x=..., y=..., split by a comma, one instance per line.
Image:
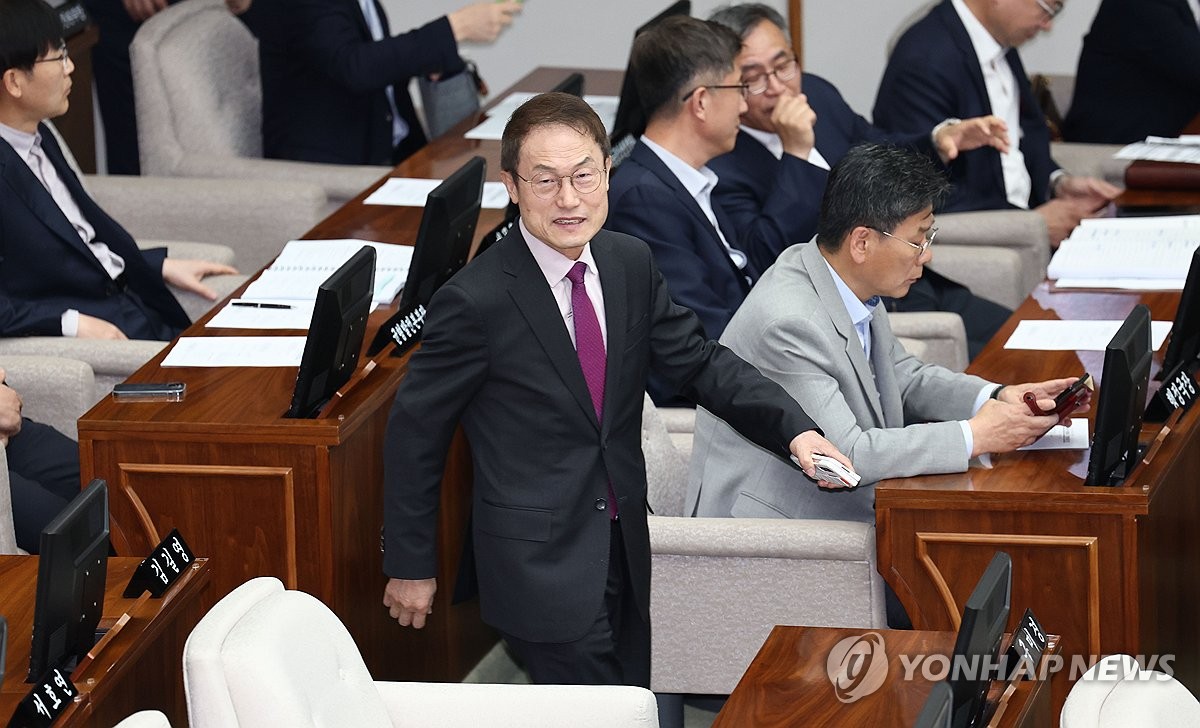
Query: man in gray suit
x=814, y=324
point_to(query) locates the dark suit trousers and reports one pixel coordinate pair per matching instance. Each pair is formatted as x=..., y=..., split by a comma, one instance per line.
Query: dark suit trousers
x=934, y=292
x=43, y=475
x=615, y=650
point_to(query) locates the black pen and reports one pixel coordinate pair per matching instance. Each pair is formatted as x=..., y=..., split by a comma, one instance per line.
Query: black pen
x=256, y=304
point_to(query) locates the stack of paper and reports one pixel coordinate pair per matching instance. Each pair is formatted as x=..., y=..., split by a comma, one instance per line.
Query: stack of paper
x=412, y=192
x=305, y=264
x=493, y=127
x=1185, y=148
x=1122, y=252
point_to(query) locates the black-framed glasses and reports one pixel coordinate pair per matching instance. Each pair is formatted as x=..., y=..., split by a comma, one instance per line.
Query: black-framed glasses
x=546, y=185
x=63, y=56
x=920, y=247
x=1051, y=9
x=785, y=70
x=745, y=88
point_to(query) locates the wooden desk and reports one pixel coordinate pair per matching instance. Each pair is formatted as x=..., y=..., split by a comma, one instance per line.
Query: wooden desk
x=141, y=668
x=1110, y=569
x=787, y=684
x=1169, y=185
x=299, y=499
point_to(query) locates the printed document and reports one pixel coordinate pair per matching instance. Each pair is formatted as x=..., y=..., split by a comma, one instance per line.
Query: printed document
x=411, y=192
x=1054, y=335
x=236, y=351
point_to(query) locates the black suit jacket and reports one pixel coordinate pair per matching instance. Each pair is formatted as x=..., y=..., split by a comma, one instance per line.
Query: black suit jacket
x=646, y=200
x=323, y=80
x=934, y=74
x=774, y=203
x=497, y=357
x=45, y=268
x=1139, y=73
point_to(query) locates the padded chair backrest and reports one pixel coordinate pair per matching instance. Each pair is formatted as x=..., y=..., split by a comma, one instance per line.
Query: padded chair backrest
x=1116, y=693
x=145, y=719
x=196, y=86
x=666, y=469
x=8, y=534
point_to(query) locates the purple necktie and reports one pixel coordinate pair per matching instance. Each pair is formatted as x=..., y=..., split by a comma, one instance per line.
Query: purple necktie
x=589, y=346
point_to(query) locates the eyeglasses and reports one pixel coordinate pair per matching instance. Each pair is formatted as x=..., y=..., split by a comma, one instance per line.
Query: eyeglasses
x=63, y=56
x=546, y=185
x=919, y=247
x=1051, y=10
x=745, y=88
x=758, y=81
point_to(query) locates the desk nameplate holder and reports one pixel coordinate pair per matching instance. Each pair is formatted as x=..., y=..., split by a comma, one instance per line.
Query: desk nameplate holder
x=1026, y=648
x=1178, y=390
x=162, y=568
x=47, y=700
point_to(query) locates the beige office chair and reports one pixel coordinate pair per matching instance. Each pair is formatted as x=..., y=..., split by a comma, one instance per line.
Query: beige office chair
x=718, y=585
x=145, y=719
x=1116, y=693
x=267, y=657
x=199, y=104
x=8, y=533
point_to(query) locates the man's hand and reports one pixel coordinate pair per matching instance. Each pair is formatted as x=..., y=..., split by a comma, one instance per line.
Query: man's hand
x=91, y=327
x=482, y=22
x=409, y=600
x=237, y=7
x=981, y=131
x=1001, y=426
x=794, y=121
x=187, y=274
x=1062, y=215
x=10, y=411
x=1045, y=392
x=140, y=10
x=810, y=442
x=1088, y=191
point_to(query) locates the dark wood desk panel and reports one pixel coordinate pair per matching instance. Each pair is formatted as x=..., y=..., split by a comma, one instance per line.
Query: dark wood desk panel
x=1109, y=569
x=299, y=499
x=788, y=684
x=141, y=668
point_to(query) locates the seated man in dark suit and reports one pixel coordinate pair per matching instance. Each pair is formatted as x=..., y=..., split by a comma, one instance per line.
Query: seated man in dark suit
x=692, y=97
x=961, y=60
x=43, y=469
x=68, y=268
x=1139, y=72
x=540, y=348
x=796, y=126
x=335, y=80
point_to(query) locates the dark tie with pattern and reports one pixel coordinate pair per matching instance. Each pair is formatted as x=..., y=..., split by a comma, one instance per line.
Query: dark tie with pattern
x=589, y=346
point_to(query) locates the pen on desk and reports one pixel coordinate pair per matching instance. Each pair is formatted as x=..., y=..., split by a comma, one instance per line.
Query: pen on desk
x=256, y=304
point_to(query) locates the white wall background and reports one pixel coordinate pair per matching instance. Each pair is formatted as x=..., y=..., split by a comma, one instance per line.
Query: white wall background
x=845, y=40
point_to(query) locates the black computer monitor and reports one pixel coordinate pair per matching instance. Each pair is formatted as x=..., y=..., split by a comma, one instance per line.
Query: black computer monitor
x=443, y=241
x=72, y=567
x=1123, y=385
x=572, y=84
x=938, y=707
x=1184, y=346
x=335, y=335
x=630, y=120
x=976, y=659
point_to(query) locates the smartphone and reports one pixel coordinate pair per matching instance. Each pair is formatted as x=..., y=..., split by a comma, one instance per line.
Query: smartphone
x=1067, y=400
x=149, y=392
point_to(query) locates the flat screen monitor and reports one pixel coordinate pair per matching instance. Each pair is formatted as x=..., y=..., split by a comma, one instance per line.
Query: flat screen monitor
x=977, y=650
x=335, y=335
x=1184, y=346
x=443, y=241
x=1123, y=385
x=72, y=567
x=572, y=84
x=630, y=121
x=938, y=707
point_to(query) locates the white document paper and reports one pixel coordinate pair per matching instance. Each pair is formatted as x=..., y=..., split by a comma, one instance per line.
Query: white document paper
x=305, y=264
x=492, y=128
x=236, y=351
x=1126, y=284
x=1053, y=335
x=411, y=192
x=1064, y=437
x=1128, y=247
x=297, y=315
x=1185, y=148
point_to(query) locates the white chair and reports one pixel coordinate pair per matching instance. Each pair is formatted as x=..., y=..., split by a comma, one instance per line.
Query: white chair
x=1116, y=693
x=8, y=533
x=267, y=657
x=198, y=97
x=145, y=719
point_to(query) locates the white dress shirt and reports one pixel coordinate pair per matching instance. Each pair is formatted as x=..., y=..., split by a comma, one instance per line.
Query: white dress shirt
x=774, y=145
x=555, y=266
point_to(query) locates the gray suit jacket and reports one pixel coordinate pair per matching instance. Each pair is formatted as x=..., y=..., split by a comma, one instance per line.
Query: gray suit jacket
x=897, y=423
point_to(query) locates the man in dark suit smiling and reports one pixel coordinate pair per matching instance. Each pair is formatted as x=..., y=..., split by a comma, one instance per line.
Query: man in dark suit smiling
x=541, y=349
